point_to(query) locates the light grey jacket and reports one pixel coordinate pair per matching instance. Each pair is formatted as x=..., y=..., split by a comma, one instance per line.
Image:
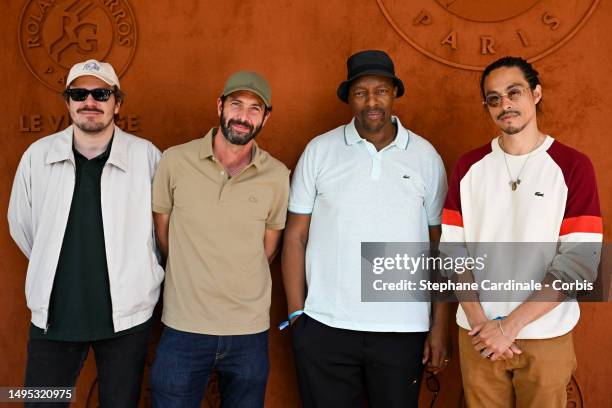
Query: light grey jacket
x=38, y=213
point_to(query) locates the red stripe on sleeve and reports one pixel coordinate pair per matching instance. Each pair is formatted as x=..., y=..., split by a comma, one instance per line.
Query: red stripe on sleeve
x=452, y=217
x=584, y=223
x=579, y=175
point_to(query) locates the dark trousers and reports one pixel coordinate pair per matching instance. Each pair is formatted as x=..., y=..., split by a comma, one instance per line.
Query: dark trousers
x=334, y=366
x=184, y=362
x=119, y=362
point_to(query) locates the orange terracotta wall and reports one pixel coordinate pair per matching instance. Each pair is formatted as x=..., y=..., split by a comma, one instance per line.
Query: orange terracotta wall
x=175, y=56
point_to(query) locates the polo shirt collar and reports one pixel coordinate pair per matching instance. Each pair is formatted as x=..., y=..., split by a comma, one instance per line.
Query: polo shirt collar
x=61, y=148
x=401, y=141
x=206, y=151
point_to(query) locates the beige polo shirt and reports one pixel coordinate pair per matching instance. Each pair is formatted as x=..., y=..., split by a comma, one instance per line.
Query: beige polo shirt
x=217, y=274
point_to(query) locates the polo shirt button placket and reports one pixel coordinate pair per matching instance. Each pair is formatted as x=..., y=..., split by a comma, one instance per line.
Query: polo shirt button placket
x=376, y=166
x=225, y=188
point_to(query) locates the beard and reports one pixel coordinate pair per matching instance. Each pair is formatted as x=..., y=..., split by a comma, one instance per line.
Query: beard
x=91, y=126
x=513, y=130
x=362, y=117
x=509, y=129
x=234, y=137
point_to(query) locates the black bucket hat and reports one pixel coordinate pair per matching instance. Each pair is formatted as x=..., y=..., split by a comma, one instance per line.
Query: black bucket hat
x=370, y=62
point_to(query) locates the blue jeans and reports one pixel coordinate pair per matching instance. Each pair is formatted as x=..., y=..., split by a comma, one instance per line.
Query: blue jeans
x=184, y=361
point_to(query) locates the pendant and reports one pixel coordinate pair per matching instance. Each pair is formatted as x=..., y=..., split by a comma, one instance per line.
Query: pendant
x=514, y=184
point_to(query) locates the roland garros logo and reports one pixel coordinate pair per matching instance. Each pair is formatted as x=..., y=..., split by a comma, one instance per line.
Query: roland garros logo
x=469, y=34
x=56, y=34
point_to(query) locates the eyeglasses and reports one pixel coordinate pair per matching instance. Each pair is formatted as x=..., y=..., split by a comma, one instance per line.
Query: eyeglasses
x=495, y=100
x=80, y=94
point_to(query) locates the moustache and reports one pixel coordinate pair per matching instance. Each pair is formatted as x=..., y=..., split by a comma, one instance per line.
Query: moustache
x=373, y=110
x=504, y=113
x=89, y=110
x=241, y=123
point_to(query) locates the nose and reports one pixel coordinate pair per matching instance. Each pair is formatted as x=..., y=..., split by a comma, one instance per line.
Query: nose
x=90, y=99
x=242, y=114
x=506, y=103
x=371, y=99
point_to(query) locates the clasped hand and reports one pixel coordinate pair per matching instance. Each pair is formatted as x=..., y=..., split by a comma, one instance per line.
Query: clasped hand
x=490, y=342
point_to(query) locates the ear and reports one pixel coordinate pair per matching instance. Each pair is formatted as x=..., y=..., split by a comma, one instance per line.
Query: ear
x=219, y=106
x=265, y=119
x=537, y=94
x=117, y=106
x=395, y=91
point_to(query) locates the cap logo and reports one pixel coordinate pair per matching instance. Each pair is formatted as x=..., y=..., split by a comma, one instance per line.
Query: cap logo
x=91, y=66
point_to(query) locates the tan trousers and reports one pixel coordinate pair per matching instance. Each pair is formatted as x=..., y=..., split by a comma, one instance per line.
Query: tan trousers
x=536, y=378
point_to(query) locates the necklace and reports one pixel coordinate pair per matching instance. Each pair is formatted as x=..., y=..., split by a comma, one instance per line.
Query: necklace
x=515, y=182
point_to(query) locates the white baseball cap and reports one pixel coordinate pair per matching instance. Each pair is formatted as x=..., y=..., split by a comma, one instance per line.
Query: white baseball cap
x=101, y=70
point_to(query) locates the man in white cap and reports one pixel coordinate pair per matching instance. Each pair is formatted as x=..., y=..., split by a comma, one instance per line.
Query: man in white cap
x=80, y=210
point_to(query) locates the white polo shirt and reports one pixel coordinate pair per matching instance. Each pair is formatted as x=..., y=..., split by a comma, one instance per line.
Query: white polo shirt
x=355, y=194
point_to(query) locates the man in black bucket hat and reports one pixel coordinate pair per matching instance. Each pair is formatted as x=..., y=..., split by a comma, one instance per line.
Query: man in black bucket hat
x=372, y=62
x=371, y=180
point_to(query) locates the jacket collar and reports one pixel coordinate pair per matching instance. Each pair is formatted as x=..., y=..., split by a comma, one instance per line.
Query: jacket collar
x=61, y=148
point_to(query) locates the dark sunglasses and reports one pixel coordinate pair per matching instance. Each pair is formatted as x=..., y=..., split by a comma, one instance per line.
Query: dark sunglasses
x=80, y=94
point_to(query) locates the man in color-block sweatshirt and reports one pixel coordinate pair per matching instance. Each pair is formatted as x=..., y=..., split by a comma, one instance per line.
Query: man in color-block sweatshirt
x=523, y=186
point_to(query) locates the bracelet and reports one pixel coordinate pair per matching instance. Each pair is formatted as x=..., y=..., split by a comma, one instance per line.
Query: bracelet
x=501, y=328
x=499, y=319
x=287, y=322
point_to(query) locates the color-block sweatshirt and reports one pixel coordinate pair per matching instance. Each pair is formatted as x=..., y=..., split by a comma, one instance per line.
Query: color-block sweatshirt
x=555, y=202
